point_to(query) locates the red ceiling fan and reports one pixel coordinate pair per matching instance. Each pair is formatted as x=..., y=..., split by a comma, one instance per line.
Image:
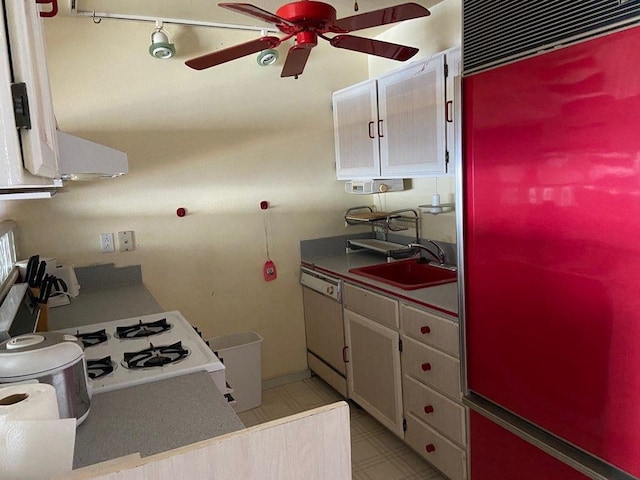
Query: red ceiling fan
x=306, y=20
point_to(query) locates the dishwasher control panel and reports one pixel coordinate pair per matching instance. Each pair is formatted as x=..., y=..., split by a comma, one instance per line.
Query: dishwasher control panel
x=331, y=287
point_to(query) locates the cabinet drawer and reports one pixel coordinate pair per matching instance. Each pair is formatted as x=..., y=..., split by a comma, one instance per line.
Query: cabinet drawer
x=436, y=410
x=430, y=329
x=377, y=307
x=432, y=367
x=437, y=450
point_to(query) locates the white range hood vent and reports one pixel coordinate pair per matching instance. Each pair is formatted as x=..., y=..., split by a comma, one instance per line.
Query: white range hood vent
x=80, y=159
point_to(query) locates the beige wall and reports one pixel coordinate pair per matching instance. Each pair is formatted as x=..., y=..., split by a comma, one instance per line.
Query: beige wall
x=216, y=142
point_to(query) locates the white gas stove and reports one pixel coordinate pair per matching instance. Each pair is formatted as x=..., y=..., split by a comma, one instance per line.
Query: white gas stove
x=136, y=350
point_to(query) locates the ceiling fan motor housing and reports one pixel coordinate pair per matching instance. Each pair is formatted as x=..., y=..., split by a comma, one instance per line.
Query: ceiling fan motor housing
x=307, y=14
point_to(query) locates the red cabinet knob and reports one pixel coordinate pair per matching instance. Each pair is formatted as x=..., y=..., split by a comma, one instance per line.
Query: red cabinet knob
x=428, y=409
x=426, y=367
x=424, y=330
x=430, y=448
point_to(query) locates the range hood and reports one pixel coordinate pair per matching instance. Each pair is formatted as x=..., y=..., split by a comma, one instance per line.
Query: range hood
x=80, y=159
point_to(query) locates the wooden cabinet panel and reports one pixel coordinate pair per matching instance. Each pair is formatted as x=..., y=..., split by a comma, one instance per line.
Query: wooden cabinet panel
x=411, y=102
x=355, y=123
x=431, y=367
x=430, y=329
x=377, y=307
x=436, y=410
x=436, y=449
x=393, y=126
x=373, y=369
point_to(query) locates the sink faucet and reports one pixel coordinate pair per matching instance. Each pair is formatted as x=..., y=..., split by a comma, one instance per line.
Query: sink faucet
x=440, y=257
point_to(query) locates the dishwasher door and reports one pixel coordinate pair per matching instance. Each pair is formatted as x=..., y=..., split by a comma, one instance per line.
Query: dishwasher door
x=324, y=329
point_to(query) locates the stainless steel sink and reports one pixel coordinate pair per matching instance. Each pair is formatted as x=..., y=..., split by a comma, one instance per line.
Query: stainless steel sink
x=408, y=274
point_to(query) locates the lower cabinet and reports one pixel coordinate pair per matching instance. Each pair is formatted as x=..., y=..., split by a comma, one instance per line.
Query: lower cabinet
x=443, y=454
x=373, y=370
x=403, y=368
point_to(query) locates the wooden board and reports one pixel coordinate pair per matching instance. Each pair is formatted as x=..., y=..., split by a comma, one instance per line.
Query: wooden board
x=312, y=445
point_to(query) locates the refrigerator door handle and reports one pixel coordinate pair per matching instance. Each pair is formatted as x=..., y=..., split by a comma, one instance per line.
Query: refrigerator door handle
x=578, y=459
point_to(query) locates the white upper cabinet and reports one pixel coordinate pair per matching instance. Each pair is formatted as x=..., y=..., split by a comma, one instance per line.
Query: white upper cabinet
x=355, y=124
x=454, y=104
x=393, y=126
x=29, y=154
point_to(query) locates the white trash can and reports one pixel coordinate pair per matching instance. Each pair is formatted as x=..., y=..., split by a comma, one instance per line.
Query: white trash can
x=241, y=355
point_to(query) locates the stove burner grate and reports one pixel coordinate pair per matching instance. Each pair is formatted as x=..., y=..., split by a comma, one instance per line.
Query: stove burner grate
x=155, y=356
x=89, y=339
x=138, y=330
x=100, y=368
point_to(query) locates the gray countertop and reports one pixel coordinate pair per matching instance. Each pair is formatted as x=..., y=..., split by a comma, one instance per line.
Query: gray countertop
x=443, y=298
x=103, y=305
x=148, y=418
x=152, y=418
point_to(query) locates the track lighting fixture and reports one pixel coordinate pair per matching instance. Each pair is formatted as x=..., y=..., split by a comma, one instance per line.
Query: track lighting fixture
x=267, y=57
x=160, y=46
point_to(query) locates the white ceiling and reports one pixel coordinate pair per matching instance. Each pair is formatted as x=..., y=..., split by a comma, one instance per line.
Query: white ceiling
x=208, y=10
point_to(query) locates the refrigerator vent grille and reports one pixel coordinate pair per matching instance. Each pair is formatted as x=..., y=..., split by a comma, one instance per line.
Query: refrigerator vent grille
x=500, y=31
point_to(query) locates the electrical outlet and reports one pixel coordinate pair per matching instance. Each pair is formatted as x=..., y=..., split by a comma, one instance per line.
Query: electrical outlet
x=107, y=244
x=126, y=241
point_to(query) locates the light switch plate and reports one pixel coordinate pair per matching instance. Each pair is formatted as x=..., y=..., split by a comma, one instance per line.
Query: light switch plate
x=125, y=239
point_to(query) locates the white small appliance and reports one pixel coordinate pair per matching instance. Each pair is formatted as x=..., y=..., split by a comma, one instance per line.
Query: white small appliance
x=374, y=186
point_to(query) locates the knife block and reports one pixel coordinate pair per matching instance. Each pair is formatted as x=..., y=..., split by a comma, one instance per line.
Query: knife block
x=43, y=319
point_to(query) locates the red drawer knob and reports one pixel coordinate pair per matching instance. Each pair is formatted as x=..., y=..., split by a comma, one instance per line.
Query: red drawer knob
x=428, y=409
x=426, y=367
x=424, y=330
x=430, y=448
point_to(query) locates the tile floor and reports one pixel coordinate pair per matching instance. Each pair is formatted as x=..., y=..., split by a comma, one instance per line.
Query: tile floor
x=376, y=454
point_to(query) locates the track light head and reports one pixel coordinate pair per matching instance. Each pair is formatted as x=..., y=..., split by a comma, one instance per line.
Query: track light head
x=160, y=46
x=267, y=57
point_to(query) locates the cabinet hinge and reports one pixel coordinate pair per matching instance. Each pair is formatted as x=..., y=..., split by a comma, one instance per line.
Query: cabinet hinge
x=400, y=344
x=20, y=105
x=404, y=424
x=446, y=70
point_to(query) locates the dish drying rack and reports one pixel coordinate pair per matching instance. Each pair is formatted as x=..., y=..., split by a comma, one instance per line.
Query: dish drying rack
x=395, y=221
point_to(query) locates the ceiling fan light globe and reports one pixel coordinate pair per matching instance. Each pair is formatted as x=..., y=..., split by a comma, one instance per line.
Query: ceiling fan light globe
x=162, y=50
x=267, y=57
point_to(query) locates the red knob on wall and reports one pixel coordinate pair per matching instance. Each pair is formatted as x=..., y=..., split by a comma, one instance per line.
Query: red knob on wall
x=428, y=409
x=424, y=330
x=181, y=212
x=430, y=448
x=426, y=367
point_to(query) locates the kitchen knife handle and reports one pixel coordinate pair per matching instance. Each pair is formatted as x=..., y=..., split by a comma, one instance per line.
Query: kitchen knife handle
x=424, y=330
x=426, y=367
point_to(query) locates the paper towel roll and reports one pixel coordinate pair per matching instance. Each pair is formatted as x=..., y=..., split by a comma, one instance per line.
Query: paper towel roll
x=34, y=442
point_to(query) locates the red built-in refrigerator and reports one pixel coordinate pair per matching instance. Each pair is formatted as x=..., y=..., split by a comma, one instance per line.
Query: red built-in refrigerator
x=552, y=243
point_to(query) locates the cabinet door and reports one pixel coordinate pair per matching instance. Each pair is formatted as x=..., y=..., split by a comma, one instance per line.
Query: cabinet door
x=355, y=123
x=412, y=120
x=454, y=103
x=39, y=143
x=373, y=370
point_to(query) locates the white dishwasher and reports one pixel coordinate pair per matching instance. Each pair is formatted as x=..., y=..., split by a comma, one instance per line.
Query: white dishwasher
x=322, y=297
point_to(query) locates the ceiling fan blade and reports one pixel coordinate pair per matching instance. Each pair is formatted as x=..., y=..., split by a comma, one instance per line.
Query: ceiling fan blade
x=384, y=16
x=256, y=12
x=374, y=47
x=296, y=61
x=221, y=56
